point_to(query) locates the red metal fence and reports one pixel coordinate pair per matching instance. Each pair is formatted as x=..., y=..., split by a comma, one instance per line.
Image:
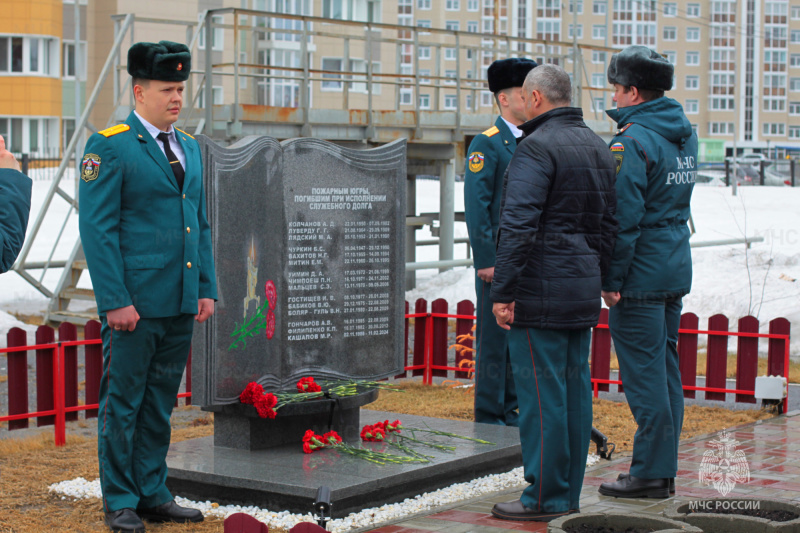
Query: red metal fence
x=57, y=370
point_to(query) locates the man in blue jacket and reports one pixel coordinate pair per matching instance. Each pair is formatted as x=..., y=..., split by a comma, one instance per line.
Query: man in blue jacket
x=15, y=207
x=489, y=155
x=148, y=247
x=556, y=234
x=651, y=268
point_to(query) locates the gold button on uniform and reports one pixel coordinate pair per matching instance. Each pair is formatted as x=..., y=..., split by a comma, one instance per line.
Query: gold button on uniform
x=189, y=265
x=188, y=230
x=184, y=197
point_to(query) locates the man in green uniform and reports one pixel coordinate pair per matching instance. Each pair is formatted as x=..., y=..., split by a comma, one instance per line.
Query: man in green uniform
x=489, y=155
x=651, y=269
x=148, y=247
x=15, y=207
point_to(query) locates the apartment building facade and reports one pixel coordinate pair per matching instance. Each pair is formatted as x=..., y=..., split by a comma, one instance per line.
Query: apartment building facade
x=737, y=64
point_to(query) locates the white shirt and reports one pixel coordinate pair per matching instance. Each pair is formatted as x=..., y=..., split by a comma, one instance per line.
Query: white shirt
x=176, y=147
x=514, y=130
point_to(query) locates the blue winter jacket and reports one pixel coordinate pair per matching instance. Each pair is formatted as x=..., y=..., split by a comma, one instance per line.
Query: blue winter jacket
x=656, y=154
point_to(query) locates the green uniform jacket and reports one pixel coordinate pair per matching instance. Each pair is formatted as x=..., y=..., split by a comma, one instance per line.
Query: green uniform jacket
x=15, y=207
x=489, y=155
x=147, y=243
x=656, y=153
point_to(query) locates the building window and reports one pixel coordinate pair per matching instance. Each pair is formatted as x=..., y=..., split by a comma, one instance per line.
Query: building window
x=29, y=56
x=35, y=136
x=487, y=99
x=452, y=5
x=332, y=64
x=693, y=10
x=450, y=54
x=692, y=107
x=450, y=102
x=692, y=59
x=720, y=128
x=405, y=97
x=795, y=12
x=472, y=26
x=598, y=57
x=580, y=6
x=598, y=80
x=452, y=25
x=452, y=77
x=599, y=7
x=599, y=104
x=794, y=60
x=775, y=105
x=670, y=9
x=424, y=101
x=670, y=33
x=720, y=103
x=794, y=132
x=217, y=97
x=693, y=35
x=794, y=108
x=598, y=32
x=217, y=34
x=424, y=52
x=671, y=56
x=424, y=4
x=773, y=129
x=580, y=31
x=358, y=67
x=794, y=37
x=692, y=83
x=473, y=5
x=68, y=61
x=794, y=84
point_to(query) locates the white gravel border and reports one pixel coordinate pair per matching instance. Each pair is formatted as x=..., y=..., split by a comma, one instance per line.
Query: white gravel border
x=80, y=488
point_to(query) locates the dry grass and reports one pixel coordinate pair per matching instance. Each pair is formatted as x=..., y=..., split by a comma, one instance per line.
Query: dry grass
x=28, y=467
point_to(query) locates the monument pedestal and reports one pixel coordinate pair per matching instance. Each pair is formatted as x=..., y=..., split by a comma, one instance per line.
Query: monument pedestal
x=284, y=478
x=239, y=426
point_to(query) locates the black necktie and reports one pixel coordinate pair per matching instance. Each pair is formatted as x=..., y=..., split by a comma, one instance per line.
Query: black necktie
x=177, y=169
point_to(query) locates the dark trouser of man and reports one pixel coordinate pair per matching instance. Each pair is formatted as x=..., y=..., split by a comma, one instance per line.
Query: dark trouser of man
x=551, y=368
x=142, y=372
x=645, y=335
x=495, y=393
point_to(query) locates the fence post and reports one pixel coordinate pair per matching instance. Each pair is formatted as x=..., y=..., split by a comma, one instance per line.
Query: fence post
x=68, y=332
x=25, y=163
x=601, y=352
x=44, y=375
x=747, y=359
x=791, y=166
x=687, y=353
x=717, y=357
x=188, y=399
x=420, y=324
x=93, y=358
x=405, y=350
x=17, y=378
x=776, y=348
x=58, y=391
x=464, y=327
x=439, y=344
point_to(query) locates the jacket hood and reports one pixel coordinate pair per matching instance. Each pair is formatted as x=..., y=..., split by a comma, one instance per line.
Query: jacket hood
x=663, y=115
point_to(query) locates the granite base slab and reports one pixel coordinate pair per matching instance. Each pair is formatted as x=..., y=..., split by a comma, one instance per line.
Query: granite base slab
x=285, y=478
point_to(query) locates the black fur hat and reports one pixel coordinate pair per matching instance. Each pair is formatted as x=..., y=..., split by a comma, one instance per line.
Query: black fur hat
x=511, y=72
x=640, y=67
x=164, y=61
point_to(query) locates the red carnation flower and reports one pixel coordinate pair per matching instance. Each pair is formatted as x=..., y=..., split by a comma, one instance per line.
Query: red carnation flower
x=264, y=406
x=307, y=384
x=251, y=392
x=308, y=436
x=332, y=437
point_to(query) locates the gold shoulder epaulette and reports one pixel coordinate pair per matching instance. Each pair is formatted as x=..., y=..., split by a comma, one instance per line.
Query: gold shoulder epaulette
x=189, y=134
x=113, y=130
x=491, y=131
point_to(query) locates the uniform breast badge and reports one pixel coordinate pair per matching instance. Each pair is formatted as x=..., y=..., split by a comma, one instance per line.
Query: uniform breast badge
x=90, y=168
x=476, y=161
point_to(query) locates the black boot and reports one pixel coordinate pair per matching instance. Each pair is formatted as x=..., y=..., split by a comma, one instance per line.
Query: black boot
x=635, y=487
x=124, y=521
x=671, y=481
x=170, y=512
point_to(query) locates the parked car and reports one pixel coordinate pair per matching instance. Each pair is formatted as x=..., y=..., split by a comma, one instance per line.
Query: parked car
x=710, y=178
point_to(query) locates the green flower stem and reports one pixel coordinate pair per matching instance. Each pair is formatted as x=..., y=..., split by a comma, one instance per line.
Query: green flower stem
x=446, y=434
x=437, y=446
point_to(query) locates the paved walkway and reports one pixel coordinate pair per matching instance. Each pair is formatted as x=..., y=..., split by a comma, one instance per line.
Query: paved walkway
x=771, y=447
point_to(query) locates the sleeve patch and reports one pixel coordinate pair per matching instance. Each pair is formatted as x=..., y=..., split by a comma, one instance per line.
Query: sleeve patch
x=618, y=159
x=90, y=168
x=113, y=130
x=476, y=160
x=491, y=131
x=617, y=147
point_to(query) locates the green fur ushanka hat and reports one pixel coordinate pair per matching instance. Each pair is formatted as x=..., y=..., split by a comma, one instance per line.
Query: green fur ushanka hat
x=510, y=72
x=163, y=61
x=640, y=67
